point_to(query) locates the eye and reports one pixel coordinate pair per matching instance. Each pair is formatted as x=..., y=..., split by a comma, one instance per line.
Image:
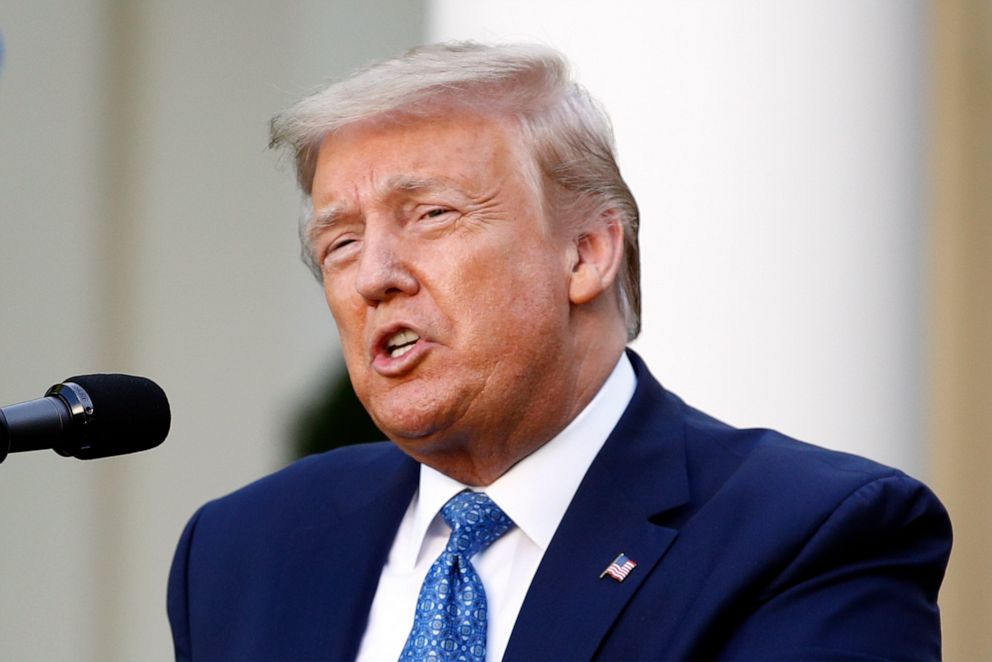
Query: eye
x=339, y=244
x=434, y=212
x=337, y=250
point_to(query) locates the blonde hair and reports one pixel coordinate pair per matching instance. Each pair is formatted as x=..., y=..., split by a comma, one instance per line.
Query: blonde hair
x=570, y=135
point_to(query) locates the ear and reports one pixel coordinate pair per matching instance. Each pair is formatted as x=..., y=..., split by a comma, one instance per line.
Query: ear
x=597, y=261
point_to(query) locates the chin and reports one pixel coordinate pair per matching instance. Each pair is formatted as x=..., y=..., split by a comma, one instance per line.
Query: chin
x=416, y=413
x=406, y=426
x=420, y=436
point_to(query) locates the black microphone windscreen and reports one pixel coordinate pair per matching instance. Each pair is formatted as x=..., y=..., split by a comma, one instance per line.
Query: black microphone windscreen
x=129, y=414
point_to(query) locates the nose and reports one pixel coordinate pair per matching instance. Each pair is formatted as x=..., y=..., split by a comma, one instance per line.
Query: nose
x=383, y=271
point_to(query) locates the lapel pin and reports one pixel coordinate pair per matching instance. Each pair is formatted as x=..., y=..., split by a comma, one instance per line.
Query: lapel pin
x=620, y=568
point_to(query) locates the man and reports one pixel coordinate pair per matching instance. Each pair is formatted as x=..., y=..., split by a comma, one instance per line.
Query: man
x=543, y=497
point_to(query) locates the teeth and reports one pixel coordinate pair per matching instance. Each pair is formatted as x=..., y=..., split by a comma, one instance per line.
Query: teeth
x=403, y=337
x=400, y=351
x=401, y=342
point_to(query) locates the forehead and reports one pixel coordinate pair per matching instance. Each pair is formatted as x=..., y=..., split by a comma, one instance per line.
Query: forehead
x=461, y=149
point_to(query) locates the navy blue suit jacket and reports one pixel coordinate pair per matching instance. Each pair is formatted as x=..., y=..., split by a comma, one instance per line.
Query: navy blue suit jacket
x=749, y=546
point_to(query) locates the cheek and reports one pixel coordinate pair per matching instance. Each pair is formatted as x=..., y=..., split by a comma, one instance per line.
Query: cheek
x=520, y=302
x=348, y=317
x=348, y=320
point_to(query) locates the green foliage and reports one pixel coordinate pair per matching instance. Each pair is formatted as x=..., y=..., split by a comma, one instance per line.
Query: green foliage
x=334, y=418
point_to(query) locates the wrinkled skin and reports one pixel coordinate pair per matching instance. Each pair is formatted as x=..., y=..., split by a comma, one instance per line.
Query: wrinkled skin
x=435, y=226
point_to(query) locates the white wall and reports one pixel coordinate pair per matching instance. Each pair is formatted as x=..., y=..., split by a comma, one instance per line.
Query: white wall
x=147, y=229
x=775, y=149
x=50, y=209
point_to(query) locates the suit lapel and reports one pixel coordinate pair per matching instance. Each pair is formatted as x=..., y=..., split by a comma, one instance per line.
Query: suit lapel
x=336, y=568
x=639, y=474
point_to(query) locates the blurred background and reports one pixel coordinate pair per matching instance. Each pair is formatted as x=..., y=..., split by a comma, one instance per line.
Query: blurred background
x=814, y=181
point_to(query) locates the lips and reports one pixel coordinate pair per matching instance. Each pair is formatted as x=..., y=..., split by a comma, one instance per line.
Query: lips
x=398, y=349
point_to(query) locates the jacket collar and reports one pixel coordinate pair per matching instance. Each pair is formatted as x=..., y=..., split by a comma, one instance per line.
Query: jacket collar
x=639, y=475
x=339, y=560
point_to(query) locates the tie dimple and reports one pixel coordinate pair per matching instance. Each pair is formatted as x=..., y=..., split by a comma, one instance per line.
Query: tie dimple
x=450, y=621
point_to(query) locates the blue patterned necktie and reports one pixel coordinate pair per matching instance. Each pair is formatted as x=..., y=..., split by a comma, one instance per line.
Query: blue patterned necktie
x=450, y=621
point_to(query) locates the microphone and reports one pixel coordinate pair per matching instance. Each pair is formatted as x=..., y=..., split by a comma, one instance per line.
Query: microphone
x=87, y=417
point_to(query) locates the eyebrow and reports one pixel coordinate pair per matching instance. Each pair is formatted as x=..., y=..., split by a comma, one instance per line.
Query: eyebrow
x=327, y=215
x=416, y=183
x=324, y=219
x=405, y=183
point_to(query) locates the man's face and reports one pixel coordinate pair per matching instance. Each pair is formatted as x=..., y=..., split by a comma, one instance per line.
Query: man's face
x=448, y=285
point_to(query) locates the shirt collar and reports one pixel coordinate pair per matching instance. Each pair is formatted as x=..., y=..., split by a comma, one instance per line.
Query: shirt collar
x=526, y=493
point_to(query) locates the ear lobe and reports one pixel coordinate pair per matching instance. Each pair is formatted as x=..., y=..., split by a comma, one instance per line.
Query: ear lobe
x=598, y=256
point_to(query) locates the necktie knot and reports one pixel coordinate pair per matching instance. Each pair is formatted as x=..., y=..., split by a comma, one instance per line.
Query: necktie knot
x=475, y=521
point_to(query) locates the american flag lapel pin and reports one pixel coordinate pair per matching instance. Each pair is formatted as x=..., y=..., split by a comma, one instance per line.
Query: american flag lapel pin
x=620, y=568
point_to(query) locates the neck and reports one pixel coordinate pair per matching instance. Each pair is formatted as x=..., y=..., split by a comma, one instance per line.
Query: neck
x=479, y=459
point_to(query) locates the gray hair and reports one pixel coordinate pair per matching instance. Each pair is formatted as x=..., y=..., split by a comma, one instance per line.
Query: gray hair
x=570, y=135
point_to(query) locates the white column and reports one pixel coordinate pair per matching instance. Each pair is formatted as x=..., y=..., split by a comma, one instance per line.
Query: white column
x=220, y=309
x=775, y=149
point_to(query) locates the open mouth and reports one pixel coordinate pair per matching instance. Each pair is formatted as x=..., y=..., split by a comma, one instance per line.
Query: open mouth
x=400, y=343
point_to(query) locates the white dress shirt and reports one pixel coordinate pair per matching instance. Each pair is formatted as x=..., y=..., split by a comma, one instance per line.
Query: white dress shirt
x=534, y=493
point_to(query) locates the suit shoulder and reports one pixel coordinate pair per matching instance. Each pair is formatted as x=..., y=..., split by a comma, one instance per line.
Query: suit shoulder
x=716, y=452
x=755, y=471
x=315, y=486
x=765, y=455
